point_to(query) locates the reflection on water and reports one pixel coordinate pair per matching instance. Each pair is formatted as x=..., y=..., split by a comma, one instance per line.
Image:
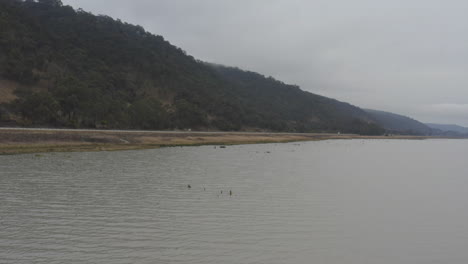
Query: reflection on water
x=356, y=201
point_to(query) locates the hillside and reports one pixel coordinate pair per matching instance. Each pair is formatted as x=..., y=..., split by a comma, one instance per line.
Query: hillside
x=399, y=124
x=449, y=128
x=70, y=68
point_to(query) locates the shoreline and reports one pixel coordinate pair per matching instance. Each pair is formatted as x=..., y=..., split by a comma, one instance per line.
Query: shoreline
x=24, y=141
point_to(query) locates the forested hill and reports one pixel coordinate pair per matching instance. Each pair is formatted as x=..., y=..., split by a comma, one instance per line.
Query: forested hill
x=399, y=124
x=449, y=128
x=68, y=68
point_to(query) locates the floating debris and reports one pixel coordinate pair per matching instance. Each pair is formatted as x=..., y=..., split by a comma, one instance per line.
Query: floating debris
x=223, y=147
x=189, y=186
x=230, y=193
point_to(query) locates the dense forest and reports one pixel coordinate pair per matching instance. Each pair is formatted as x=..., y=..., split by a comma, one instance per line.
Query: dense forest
x=70, y=68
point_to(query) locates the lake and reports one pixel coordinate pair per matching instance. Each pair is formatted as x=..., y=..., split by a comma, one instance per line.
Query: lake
x=336, y=201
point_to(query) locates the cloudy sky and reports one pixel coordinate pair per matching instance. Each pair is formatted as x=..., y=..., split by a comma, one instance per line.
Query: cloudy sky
x=405, y=56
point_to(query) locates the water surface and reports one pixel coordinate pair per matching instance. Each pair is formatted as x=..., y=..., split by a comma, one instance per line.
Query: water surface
x=339, y=201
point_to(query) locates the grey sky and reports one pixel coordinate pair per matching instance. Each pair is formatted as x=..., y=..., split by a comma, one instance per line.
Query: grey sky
x=404, y=56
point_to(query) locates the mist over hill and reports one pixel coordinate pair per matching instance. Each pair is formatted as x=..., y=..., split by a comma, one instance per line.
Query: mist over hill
x=62, y=67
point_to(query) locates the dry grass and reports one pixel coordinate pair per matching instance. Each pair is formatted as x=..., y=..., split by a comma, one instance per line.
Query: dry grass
x=35, y=141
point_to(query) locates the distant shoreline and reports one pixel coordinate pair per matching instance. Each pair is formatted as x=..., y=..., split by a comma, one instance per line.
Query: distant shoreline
x=22, y=141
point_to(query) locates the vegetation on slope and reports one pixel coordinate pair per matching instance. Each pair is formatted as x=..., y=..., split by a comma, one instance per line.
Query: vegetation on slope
x=75, y=69
x=398, y=124
x=448, y=130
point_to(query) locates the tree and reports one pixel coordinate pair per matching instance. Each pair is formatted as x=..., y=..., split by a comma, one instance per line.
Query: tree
x=40, y=108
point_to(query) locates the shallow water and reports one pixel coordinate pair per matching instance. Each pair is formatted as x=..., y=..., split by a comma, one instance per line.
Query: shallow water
x=340, y=201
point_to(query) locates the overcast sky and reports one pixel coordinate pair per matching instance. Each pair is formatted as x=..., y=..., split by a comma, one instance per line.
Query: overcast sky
x=405, y=56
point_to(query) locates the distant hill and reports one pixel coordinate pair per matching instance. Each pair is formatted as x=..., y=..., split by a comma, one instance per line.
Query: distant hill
x=448, y=128
x=399, y=124
x=70, y=68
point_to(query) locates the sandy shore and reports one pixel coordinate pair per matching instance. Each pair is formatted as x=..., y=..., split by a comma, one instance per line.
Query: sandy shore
x=17, y=141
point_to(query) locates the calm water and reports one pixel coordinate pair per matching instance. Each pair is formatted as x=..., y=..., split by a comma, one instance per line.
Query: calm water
x=354, y=202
